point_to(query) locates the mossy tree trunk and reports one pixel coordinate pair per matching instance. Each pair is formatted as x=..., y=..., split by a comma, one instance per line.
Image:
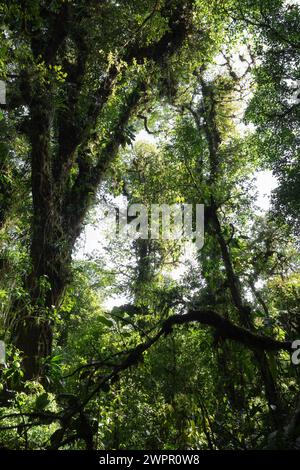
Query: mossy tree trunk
x=64, y=175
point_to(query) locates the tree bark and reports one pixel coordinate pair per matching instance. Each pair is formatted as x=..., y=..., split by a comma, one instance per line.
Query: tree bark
x=59, y=141
x=213, y=137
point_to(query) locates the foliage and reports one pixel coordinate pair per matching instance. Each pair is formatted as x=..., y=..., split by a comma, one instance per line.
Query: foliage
x=149, y=344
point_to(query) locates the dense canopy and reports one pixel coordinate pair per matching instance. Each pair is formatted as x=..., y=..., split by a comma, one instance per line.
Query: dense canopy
x=148, y=342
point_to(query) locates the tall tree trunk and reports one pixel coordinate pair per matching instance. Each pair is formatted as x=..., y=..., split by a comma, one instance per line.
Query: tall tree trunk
x=60, y=138
x=244, y=311
x=214, y=140
x=50, y=252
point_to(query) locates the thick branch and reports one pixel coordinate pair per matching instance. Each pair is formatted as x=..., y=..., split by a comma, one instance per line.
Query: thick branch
x=226, y=328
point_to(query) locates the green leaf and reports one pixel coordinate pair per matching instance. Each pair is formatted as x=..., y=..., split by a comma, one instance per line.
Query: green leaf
x=42, y=401
x=105, y=321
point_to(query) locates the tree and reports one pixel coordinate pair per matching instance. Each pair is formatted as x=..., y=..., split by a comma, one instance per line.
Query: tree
x=76, y=97
x=200, y=354
x=274, y=109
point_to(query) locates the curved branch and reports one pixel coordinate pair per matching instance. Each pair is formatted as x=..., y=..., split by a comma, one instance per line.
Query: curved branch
x=226, y=329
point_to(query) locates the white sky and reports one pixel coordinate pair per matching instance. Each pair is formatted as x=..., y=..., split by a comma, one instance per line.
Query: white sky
x=292, y=2
x=265, y=183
